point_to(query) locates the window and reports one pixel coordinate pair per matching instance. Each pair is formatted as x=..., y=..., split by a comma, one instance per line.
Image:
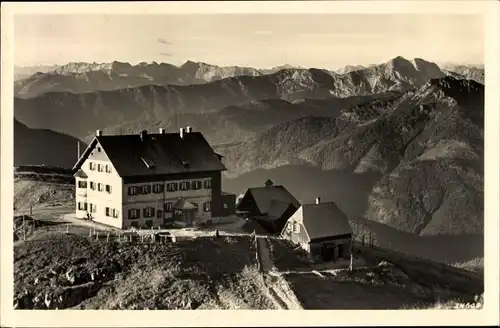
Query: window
x=108, y=211
x=82, y=184
x=92, y=166
x=185, y=185
x=108, y=168
x=82, y=206
x=93, y=208
x=168, y=207
x=171, y=187
x=149, y=212
x=208, y=184
x=196, y=185
x=145, y=189
x=108, y=189
x=225, y=206
x=158, y=188
x=99, y=149
x=92, y=185
x=134, y=224
x=207, y=207
x=115, y=213
x=159, y=214
x=99, y=186
x=132, y=190
x=134, y=213
x=99, y=167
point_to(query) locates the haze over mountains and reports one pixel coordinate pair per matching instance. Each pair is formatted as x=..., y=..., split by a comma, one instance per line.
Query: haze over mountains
x=399, y=143
x=80, y=113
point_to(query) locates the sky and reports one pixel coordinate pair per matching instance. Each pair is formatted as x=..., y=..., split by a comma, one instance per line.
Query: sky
x=258, y=40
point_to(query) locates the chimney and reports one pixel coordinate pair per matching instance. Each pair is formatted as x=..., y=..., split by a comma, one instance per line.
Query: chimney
x=181, y=132
x=98, y=133
x=318, y=200
x=189, y=129
x=78, y=149
x=143, y=134
x=161, y=131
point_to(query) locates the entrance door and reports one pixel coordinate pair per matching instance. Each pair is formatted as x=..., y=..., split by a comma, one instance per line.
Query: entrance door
x=189, y=217
x=326, y=253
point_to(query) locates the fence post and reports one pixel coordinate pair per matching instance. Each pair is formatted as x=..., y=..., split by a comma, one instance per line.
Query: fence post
x=67, y=228
x=24, y=229
x=97, y=236
x=363, y=240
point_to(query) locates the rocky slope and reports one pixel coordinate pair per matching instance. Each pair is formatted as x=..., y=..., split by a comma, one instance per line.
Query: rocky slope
x=470, y=72
x=44, y=147
x=426, y=145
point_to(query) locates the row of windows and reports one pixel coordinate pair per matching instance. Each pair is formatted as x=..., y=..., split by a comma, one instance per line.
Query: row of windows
x=100, y=167
x=82, y=206
x=150, y=212
x=92, y=208
x=170, y=187
x=95, y=186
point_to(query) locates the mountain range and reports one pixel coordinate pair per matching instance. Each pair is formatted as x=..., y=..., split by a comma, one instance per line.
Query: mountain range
x=78, y=77
x=79, y=114
x=398, y=143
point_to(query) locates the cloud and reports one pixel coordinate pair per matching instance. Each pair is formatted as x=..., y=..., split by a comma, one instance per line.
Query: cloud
x=263, y=32
x=160, y=40
x=165, y=54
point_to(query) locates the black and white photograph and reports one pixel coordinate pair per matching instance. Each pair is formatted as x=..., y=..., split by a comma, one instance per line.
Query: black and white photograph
x=248, y=160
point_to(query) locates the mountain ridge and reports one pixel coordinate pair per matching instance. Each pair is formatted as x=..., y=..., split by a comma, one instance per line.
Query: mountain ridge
x=428, y=144
x=158, y=102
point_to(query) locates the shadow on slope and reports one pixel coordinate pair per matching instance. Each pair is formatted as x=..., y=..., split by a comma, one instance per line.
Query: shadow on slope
x=348, y=190
x=441, y=248
x=44, y=147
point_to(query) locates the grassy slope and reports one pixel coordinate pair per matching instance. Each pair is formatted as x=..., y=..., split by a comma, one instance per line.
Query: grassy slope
x=120, y=276
x=391, y=280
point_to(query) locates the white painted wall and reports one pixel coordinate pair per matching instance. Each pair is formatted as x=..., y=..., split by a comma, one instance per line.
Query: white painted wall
x=101, y=199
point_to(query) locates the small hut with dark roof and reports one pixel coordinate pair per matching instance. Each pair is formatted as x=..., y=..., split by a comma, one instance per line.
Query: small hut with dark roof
x=270, y=205
x=322, y=229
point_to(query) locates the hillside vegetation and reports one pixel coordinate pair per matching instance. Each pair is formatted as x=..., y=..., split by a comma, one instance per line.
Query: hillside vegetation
x=425, y=147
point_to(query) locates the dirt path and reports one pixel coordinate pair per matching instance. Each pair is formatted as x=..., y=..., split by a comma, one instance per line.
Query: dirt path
x=277, y=287
x=266, y=263
x=70, y=218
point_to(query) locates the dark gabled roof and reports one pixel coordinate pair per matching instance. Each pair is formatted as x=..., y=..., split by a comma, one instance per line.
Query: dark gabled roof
x=278, y=208
x=324, y=220
x=165, y=153
x=263, y=197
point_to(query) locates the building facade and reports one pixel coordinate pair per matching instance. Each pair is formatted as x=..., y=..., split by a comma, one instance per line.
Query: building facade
x=322, y=230
x=139, y=180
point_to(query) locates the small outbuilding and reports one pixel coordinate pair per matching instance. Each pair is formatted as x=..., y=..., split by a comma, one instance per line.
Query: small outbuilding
x=271, y=206
x=322, y=229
